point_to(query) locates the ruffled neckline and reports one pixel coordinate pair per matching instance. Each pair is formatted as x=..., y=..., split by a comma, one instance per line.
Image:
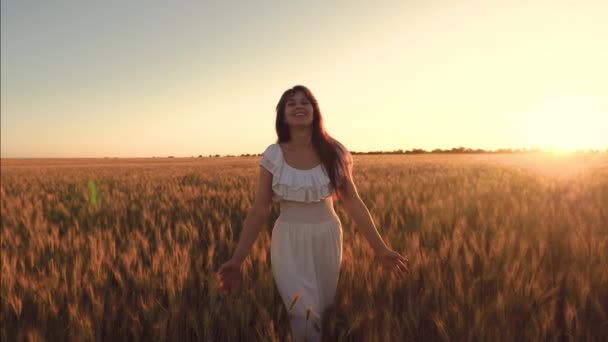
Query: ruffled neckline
x=292, y=184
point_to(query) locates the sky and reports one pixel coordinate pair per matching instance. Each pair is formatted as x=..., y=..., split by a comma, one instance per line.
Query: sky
x=189, y=78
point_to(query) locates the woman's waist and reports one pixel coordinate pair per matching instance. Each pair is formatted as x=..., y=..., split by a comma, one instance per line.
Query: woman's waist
x=307, y=212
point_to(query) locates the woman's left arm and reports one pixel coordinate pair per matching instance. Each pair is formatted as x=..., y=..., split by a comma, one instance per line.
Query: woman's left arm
x=391, y=261
x=356, y=209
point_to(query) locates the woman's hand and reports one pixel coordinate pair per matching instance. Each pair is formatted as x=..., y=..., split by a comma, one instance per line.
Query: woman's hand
x=229, y=275
x=394, y=263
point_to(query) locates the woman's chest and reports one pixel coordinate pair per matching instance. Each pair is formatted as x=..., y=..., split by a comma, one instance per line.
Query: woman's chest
x=300, y=159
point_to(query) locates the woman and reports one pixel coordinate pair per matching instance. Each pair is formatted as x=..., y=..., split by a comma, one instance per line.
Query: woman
x=301, y=172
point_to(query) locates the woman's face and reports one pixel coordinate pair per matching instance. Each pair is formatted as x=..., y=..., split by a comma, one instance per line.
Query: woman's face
x=298, y=110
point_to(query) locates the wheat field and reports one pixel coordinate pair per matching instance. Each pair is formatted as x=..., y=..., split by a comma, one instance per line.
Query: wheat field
x=501, y=248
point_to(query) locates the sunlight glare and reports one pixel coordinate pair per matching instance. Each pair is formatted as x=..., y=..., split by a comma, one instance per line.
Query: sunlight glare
x=562, y=124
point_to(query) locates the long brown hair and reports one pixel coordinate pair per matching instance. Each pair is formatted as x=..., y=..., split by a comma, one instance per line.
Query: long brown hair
x=334, y=156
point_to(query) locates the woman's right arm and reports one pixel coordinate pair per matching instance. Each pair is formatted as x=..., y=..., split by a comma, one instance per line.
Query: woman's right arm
x=257, y=216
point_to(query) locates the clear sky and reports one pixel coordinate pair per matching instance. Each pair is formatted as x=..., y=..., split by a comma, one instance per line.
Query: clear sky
x=159, y=78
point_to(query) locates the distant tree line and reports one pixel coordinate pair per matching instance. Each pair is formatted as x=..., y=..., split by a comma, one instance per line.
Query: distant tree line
x=465, y=150
x=454, y=150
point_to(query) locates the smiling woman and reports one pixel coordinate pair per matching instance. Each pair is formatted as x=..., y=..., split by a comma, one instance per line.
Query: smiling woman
x=563, y=123
x=304, y=171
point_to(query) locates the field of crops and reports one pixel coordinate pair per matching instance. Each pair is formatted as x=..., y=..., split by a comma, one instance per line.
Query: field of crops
x=501, y=248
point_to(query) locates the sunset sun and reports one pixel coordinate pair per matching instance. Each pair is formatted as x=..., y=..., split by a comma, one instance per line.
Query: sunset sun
x=562, y=124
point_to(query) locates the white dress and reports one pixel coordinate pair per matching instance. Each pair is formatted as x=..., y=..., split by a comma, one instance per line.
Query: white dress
x=306, y=240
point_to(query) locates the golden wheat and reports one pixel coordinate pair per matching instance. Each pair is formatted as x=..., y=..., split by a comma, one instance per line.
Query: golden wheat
x=500, y=248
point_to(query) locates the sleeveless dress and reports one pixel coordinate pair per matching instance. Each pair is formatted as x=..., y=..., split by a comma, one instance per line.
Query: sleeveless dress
x=306, y=241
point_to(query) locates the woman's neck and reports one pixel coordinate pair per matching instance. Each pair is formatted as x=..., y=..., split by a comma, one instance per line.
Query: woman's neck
x=301, y=138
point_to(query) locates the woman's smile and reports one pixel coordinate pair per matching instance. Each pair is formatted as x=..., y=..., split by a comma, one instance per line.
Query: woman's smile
x=299, y=110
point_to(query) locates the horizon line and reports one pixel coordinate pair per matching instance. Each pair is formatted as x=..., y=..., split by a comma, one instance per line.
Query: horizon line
x=453, y=150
